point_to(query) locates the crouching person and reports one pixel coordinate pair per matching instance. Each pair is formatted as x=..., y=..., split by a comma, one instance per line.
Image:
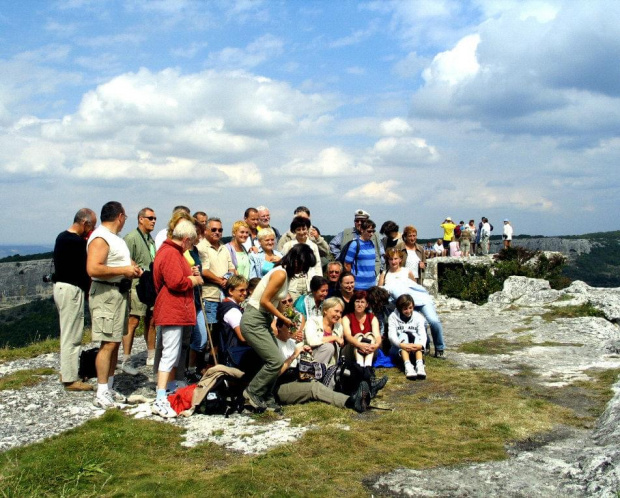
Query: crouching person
x=407, y=335
x=174, y=307
x=290, y=391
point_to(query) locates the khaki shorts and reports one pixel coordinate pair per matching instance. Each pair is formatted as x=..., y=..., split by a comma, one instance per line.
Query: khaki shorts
x=138, y=308
x=109, y=312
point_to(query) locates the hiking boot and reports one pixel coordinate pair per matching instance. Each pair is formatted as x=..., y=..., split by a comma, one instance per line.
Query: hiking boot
x=128, y=369
x=410, y=372
x=254, y=401
x=104, y=400
x=78, y=385
x=439, y=355
x=162, y=408
x=361, y=398
x=192, y=377
x=273, y=406
x=377, y=384
x=117, y=397
x=421, y=371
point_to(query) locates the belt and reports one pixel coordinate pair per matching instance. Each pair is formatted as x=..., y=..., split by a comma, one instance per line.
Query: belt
x=113, y=284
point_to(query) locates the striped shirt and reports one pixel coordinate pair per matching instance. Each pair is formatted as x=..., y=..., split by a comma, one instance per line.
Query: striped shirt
x=364, y=266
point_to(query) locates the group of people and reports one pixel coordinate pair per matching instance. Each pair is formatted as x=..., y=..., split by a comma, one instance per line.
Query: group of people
x=266, y=303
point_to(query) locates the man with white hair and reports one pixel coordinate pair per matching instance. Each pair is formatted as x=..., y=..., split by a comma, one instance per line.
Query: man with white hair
x=264, y=221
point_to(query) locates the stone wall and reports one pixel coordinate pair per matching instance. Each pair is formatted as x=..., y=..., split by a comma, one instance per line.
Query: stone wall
x=21, y=282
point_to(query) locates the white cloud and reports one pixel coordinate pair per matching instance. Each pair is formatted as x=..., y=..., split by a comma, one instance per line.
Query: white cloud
x=456, y=65
x=330, y=162
x=395, y=127
x=376, y=193
x=260, y=50
x=404, y=151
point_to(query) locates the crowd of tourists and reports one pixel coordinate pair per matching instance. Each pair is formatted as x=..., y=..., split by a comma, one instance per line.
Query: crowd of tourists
x=293, y=314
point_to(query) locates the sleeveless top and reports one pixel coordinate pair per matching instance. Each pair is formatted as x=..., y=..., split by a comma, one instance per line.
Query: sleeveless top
x=118, y=253
x=256, y=296
x=355, y=324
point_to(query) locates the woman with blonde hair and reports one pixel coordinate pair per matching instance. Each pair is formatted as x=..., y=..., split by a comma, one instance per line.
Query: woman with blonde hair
x=414, y=257
x=324, y=334
x=266, y=257
x=238, y=253
x=395, y=269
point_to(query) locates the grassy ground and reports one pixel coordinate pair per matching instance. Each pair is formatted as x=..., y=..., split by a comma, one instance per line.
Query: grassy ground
x=496, y=344
x=23, y=378
x=456, y=416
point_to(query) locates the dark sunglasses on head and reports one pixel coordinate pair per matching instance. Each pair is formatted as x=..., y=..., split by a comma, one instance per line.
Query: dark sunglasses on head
x=219, y=230
x=151, y=218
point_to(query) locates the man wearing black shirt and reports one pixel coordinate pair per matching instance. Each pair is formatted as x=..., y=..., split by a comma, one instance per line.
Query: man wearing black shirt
x=71, y=282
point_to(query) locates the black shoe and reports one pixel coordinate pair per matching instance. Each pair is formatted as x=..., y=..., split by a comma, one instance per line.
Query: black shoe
x=377, y=384
x=361, y=398
x=254, y=401
x=439, y=355
x=273, y=406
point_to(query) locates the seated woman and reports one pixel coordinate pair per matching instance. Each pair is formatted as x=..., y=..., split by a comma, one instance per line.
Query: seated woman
x=300, y=283
x=290, y=391
x=238, y=253
x=345, y=291
x=455, y=248
x=407, y=335
x=324, y=335
x=396, y=270
x=174, y=307
x=438, y=248
x=312, y=304
x=234, y=351
x=299, y=321
x=266, y=257
x=361, y=330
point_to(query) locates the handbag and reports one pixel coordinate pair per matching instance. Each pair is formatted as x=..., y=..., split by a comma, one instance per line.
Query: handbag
x=309, y=369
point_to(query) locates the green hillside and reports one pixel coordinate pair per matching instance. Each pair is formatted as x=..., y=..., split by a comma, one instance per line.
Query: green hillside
x=601, y=267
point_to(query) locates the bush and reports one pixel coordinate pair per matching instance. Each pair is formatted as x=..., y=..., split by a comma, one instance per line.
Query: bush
x=476, y=283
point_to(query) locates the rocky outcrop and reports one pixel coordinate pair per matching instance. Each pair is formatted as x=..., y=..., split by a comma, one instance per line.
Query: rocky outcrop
x=569, y=247
x=22, y=282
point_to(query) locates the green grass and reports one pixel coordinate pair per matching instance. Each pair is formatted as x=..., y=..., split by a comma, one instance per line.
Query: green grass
x=573, y=311
x=36, y=348
x=24, y=378
x=28, y=323
x=456, y=416
x=500, y=345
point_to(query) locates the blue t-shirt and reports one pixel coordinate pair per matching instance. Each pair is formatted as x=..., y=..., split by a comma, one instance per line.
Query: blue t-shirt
x=364, y=266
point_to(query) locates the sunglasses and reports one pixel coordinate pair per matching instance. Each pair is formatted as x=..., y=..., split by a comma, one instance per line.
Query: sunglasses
x=219, y=230
x=286, y=301
x=370, y=230
x=151, y=218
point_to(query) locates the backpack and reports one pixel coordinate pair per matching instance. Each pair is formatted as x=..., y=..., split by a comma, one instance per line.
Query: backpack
x=146, y=287
x=345, y=249
x=457, y=231
x=87, y=369
x=224, y=398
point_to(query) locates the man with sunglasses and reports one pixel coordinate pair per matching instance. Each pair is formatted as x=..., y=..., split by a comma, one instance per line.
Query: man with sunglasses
x=71, y=282
x=216, y=262
x=361, y=255
x=142, y=250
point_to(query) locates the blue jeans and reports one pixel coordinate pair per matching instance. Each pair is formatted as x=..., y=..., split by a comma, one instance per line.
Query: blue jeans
x=199, y=333
x=428, y=310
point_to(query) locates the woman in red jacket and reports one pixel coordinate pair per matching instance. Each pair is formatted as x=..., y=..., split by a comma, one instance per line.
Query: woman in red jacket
x=174, y=306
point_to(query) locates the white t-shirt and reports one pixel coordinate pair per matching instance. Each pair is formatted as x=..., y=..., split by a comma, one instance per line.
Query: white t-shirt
x=402, y=275
x=413, y=262
x=233, y=317
x=287, y=349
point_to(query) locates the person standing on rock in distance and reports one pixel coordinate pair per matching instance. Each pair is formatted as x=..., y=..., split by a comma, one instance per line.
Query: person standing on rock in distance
x=109, y=264
x=71, y=282
x=507, y=236
x=142, y=251
x=256, y=323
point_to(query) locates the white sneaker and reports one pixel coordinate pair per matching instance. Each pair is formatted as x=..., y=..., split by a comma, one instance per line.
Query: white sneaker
x=162, y=408
x=117, y=397
x=128, y=369
x=410, y=372
x=150, y=362
x=420, y=368
x=104, y=400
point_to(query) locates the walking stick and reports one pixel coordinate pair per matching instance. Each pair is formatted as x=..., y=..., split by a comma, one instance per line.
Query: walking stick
x=204, y=315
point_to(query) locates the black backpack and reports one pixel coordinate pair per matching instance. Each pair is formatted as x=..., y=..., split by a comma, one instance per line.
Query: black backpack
x=87, y=369
x=224, y=398
x=345, y=249
x=146, y=287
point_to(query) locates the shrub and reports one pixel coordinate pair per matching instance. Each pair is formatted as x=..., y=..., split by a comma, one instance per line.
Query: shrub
x=476, y=283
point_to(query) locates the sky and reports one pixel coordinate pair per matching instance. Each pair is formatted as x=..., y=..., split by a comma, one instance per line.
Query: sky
x=410, y=110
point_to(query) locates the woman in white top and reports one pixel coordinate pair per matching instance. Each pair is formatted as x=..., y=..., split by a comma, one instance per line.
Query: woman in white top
x=300, y=283
x=262, y=306
x=395, y=269
x=507, y=234
x=324, y=334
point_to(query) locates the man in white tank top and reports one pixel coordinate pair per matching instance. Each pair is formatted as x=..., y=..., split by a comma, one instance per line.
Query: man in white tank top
x=108, y=263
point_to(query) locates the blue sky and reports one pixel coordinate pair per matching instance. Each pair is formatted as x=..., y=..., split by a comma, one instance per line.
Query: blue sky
x=413, y=111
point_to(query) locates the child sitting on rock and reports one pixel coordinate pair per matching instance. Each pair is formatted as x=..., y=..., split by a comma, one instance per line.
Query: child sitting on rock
x=407, y=335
